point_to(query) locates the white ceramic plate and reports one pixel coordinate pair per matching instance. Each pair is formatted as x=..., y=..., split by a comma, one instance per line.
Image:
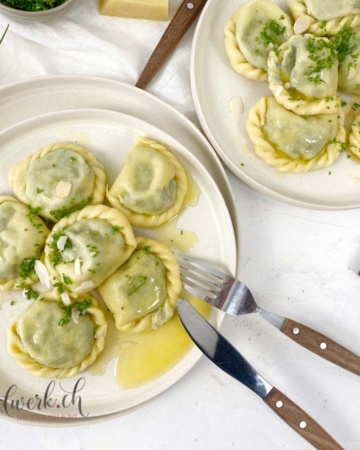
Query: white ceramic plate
x=215, y=84
x=110, y=135
x=41, y=95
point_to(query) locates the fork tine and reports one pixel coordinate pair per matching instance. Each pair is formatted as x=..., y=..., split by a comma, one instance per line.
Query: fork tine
x=207, y=283
x=208, y=272
x=196, y=290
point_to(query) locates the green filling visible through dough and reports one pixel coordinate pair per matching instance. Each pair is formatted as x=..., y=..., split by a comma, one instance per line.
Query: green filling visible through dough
x=52, y=345
x=140, y=286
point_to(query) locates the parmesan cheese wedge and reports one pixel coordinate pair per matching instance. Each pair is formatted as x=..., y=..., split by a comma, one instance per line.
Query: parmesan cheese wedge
x=136, y=9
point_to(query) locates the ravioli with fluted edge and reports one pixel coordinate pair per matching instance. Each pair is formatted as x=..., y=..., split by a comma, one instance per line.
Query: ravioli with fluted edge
x=59, y=179
x=256, y=28
x=22, y=239
x=151, y=186
x=347, y=43
x=326, y=17
x=142, y=293
x=354, y=138
x=293, y=143
x=50, y=341
x=303, y=75
x=87, y=247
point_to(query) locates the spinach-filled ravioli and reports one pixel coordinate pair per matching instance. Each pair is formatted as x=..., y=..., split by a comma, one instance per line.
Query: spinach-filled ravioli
x=142, y=294
x=22, y=239
x=293, y=143
x=326, y=17
x=59, y=179
x=256, y=28
x=347, y=43
x=87, y=247
x=151, y=186
x=303, y=75
x=52, y=340
x=354, y=138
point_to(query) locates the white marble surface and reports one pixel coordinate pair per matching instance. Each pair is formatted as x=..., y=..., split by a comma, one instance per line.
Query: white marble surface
x=299, y=263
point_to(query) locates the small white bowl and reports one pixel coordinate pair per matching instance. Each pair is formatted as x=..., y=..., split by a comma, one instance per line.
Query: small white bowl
x=34, y=16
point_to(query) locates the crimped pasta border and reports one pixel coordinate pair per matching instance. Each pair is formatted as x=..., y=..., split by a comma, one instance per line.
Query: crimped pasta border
x=17, y=174
x=162, y=314
x=145, y=220
x=267, y=152
x=19, y=283
x=330, y=28
x=111, y=215
x=16, y=349
x=237, y=59
x=328, y=105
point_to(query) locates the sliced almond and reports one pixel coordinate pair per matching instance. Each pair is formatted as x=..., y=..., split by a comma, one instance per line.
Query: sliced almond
x=352, y=73
x=61, y=243
x=270, y=47
x=75, y=314
x=77, y=266
x=43, y=274
x=287, y=85
x=236, y=105
x=302, y=24
x=85, y=286
x=65, y=298
x=63, y=189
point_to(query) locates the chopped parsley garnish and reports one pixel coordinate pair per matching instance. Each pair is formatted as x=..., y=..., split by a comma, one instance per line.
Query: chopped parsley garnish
x=80, y=306
x=67, y=280
x=323, y=54
x=93, y=250
x=345, y=43
x=65, y=211
x=146, y=249
x=39, y=190
x=35, y=220
x=271, y=32
x=32, y=5
x=27, y=267
x=115, y=229
x=135, y=283
x=55, y=256
x=31, y=294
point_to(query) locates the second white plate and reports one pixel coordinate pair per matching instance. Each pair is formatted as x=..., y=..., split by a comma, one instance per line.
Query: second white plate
x=110, y=136
x=215, y=85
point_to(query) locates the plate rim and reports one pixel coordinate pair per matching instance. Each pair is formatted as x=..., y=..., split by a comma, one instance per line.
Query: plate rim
x=219, y=150
x=193, y=354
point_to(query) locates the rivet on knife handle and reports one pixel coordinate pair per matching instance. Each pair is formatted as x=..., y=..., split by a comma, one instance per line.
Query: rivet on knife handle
x=299, y=421
x=183, y=19
x=321, y=345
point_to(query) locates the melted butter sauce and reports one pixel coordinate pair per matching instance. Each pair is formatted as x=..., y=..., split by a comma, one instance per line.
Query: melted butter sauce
x=143, y=357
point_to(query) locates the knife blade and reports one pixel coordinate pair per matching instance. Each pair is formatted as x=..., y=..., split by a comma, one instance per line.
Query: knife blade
x=230, y=360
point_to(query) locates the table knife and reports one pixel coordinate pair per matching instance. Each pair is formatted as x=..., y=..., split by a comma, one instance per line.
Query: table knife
x=230, y=360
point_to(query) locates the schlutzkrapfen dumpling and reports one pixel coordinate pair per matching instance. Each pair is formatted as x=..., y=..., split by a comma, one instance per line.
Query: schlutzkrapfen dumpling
x=87, y=247
x=151, y=186
x=293, y=143
x=347, y=43
x=303, y=75
x=354, y=138
x=326, y=17
x=256, y=28
x=22, y=239
x=58, y=180
x=142, y=293
x=54, y=340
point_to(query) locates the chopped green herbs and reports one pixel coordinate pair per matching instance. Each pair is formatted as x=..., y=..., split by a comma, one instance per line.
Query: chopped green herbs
x=67, y=280
x=65, y=211
x=323, y=54
x=27, y=267
x=55, y=256
x=39, y=191
x=135, y=283
x=80, y=306
x=271, y=33
x=31, y=294
x=32, y=5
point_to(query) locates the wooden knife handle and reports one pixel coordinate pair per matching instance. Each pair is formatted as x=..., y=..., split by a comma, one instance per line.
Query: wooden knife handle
x=183, y=19
x=299, y=421
x=322, y=345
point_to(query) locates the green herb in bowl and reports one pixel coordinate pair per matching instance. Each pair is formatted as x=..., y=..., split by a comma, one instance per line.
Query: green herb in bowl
x=32, y=5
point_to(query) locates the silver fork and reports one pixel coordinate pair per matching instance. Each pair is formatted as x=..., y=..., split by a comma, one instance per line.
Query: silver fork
x=232, y=296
